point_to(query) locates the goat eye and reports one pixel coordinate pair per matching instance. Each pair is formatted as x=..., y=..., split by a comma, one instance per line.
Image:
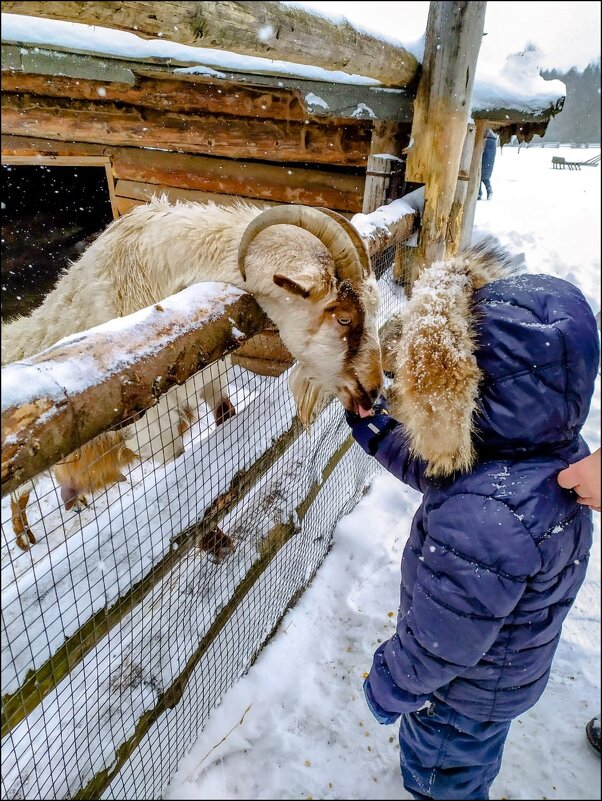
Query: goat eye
x=344, y=320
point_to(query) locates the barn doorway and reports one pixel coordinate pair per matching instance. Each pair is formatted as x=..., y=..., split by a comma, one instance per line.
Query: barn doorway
x=52, y=208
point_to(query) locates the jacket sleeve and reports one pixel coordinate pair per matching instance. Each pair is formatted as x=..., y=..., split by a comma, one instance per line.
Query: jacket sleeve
x=473, y=569
x=384, y=438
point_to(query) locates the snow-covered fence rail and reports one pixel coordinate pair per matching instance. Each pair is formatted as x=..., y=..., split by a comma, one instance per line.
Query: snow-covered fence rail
x=122, y=628
x=118, y=369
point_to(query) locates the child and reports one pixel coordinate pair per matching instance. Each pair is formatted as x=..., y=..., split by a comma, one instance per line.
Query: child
x=493, y=382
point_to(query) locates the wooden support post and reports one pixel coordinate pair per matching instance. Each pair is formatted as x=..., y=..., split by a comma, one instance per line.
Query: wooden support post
x=441, y=113
x=474, y=181
x=383, y=163
x=380, y=171
x=454, y=225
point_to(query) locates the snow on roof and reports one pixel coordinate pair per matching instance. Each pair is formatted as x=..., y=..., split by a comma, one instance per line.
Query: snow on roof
x=91, y=38
x=514, y=85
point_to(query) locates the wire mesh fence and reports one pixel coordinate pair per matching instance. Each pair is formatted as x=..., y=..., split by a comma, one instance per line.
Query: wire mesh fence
x=126, y=617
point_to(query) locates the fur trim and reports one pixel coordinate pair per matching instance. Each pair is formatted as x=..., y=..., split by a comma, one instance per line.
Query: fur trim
x=435, y=390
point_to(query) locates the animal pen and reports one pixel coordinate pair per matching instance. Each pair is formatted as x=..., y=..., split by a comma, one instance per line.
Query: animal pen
x=124, y=625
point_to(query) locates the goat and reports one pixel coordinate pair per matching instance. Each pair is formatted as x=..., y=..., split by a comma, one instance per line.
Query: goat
x=307, y=268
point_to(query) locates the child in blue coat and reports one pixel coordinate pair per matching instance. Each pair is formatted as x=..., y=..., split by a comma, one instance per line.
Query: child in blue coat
x=494, y=374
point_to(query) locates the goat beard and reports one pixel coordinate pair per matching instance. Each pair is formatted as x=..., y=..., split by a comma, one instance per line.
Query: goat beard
x=308, y=394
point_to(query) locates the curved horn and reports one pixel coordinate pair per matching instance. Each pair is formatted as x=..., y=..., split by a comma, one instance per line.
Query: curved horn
x=339, y=243
x=355, y=235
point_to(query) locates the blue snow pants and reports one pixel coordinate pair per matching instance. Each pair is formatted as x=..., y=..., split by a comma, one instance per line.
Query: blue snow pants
x=446, y=755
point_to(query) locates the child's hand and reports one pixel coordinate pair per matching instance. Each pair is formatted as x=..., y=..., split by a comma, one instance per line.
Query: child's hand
x=368, y=427
x=584, y=478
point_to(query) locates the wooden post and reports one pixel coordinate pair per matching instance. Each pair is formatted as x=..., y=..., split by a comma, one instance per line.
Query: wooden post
x=474, y=182
x=383, y=162
x=454, y=225
x=378, y=178
x=441, y=113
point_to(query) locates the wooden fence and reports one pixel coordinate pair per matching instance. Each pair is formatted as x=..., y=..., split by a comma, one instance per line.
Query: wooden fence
x=121, y=631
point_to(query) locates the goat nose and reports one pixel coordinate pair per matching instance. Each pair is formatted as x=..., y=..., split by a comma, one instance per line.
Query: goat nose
x=373, y=394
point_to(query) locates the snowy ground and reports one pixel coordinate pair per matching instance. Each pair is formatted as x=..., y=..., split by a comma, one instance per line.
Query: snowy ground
x=296, y=726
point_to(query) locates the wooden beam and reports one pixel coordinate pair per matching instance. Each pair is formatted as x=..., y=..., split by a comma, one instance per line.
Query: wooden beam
x=340, y=101
x=456, y=213
x=442, y=107
x=142, y=193
x=288, y=34
x=256, y=180
x=168, y=94
x=58, y=425
x=378, y=178
x=474, y=181
x=389, y=234
x=232, y=137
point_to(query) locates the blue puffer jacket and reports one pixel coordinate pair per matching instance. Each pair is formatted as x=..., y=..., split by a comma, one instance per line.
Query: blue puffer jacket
x=496, y=555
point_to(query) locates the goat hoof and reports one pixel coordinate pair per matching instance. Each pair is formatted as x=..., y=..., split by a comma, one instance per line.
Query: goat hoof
x=25, y=539
x=80, y=503
x=223, y=411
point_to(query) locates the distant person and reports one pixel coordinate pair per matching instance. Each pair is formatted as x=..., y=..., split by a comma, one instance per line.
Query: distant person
x=487, y=162
x=492, y=387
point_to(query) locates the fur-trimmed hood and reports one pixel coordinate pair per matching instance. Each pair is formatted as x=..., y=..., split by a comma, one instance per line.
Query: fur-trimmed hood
x=488, y=360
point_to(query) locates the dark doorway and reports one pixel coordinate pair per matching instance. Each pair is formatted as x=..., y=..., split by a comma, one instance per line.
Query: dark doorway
x=49, y=216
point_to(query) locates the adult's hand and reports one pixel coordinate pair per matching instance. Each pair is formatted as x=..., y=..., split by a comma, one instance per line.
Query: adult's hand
x=584, y=478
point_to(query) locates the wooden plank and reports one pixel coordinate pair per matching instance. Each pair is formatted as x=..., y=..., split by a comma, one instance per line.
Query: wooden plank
x=378, y=177
x=256, y=180
x=289, y=34
x=55, y=161
x=125, y=204
x=318, y=99
x=58, y=427
x=391, y=233
x=142, y=192
x=232, y=137
x=474, y=181
x=175, y=95
x=454, y=223
x=443, y=102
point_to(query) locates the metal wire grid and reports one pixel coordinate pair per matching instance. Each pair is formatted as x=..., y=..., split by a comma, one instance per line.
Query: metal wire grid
x=124, y=625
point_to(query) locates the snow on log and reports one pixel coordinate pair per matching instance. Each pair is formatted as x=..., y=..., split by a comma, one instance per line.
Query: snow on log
x=89, y=382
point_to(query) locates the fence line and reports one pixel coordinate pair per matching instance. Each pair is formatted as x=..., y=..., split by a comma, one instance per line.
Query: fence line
x=187, y=533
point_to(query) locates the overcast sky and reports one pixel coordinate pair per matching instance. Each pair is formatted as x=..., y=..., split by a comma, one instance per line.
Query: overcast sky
x=567, y=34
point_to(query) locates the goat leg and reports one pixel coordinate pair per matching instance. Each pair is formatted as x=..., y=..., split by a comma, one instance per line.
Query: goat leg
x=223, y=411
x=18, y=506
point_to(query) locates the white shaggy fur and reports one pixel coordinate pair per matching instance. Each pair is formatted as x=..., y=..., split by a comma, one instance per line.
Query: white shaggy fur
x=158, y=249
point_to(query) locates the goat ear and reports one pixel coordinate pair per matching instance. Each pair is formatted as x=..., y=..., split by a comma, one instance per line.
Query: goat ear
x=291, y=286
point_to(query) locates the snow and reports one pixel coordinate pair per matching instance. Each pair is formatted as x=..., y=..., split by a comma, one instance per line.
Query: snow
x=24, y=381
x=515, y=84
x=311, y=99
x=296, y=726
x=369, y=225
x=87, y=38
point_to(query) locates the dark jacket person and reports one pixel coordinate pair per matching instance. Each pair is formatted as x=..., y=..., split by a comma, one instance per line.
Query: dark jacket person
x=493, y=383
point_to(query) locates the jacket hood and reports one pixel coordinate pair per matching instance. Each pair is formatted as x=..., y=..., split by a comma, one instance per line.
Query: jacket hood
x=487, y=360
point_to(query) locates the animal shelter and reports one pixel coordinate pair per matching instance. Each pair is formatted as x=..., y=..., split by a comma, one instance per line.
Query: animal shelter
x=125, y=622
